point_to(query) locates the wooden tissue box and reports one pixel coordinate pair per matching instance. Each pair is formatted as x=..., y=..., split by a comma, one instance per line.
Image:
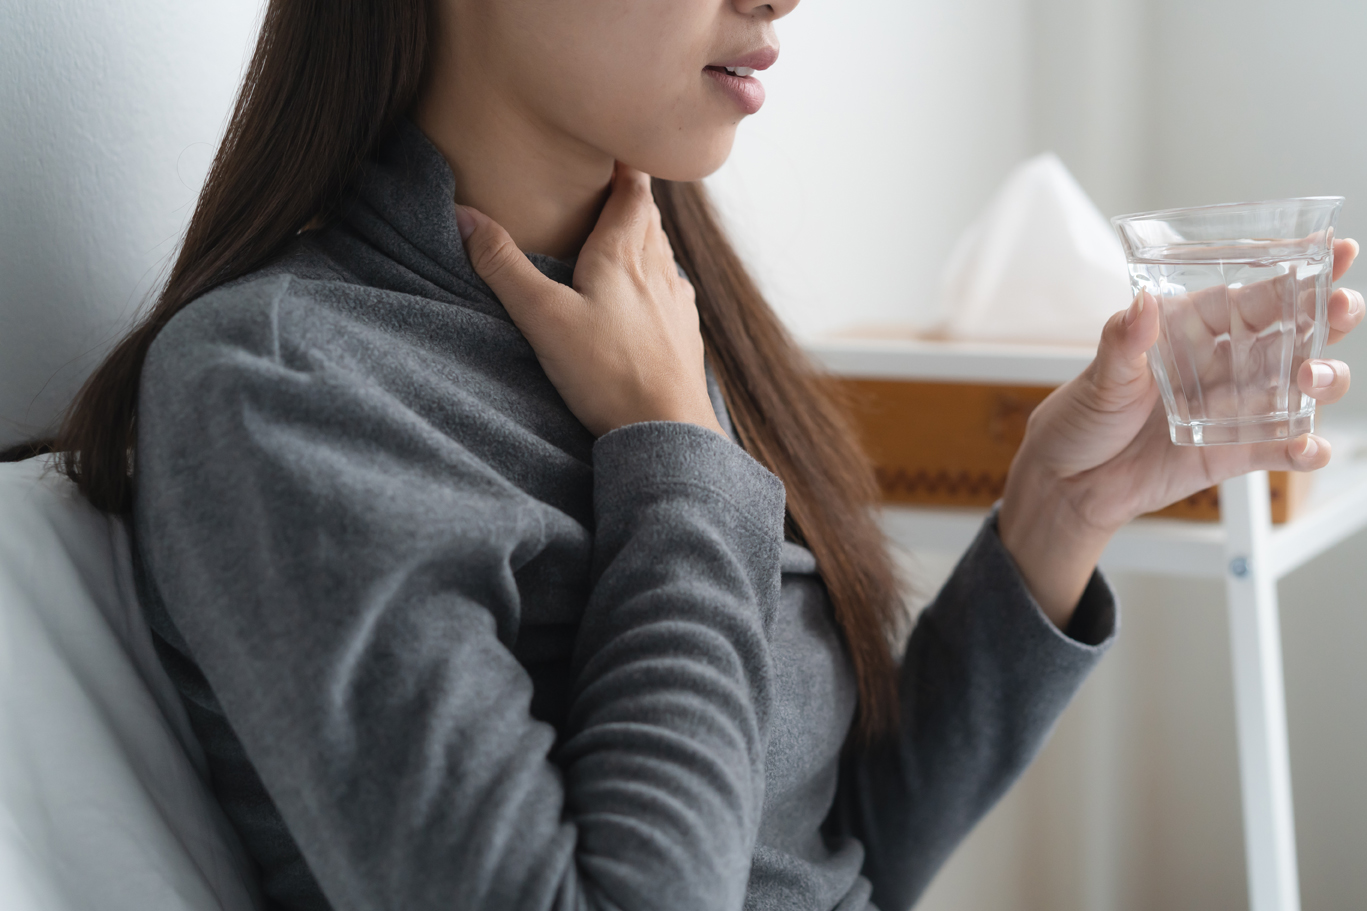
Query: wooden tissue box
x=942, y=420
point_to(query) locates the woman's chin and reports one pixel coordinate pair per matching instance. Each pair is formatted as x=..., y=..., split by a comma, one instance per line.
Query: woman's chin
x=687, y=161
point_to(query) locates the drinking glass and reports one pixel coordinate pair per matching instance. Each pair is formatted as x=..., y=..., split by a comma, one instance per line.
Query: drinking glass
x=1242, y=292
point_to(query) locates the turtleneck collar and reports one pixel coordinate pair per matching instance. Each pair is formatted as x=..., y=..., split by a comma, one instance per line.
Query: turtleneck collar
x=404, y=207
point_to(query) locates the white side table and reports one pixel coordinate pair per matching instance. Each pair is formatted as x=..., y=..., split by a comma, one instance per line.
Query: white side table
x=1244, y=549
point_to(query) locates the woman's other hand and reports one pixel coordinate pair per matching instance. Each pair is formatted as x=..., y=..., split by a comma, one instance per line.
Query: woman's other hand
x=1097, y=453
x=621, y=346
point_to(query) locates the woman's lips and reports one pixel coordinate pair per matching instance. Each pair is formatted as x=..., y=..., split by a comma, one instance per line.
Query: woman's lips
x=746, y=91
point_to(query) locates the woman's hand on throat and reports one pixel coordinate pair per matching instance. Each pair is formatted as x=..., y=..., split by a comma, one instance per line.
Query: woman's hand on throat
x=623, y=345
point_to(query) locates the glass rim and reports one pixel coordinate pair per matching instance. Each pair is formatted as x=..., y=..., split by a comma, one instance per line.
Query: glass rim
x=1184, y=210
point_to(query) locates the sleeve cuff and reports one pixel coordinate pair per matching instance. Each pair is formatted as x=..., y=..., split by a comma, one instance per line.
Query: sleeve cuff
x=639, y=460
x=1095, y=620
x=1096, y=617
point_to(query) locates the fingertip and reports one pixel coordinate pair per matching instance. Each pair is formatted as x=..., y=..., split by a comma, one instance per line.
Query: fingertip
x=626, y=215
x=1345, y=252
x=629, y=175
x=465, y=221
x=1326, y=381
x=1120, y=358
x=1137, y=325
x=1310, y=452
x=1136, y=308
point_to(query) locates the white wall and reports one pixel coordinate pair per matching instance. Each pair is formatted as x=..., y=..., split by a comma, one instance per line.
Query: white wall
x=888, y=125
x=110, y=113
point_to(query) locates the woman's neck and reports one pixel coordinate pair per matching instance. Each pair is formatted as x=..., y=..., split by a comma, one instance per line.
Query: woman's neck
x=544, y=187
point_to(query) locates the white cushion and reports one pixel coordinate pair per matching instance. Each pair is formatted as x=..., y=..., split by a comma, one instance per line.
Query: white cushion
x=103, y=801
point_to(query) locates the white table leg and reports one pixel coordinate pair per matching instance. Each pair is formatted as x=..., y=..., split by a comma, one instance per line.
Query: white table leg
x=1259, y=697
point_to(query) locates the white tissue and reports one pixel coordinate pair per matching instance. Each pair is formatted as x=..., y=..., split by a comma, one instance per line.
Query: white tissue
x=1041, y=264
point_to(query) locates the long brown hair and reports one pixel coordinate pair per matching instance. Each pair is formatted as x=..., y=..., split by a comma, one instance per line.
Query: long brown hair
x=328, y=81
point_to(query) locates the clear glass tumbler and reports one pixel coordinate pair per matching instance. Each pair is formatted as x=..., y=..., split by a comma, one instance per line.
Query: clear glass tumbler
x=1242, y=292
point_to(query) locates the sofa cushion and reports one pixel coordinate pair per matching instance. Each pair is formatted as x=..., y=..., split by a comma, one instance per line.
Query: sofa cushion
x=103, y=796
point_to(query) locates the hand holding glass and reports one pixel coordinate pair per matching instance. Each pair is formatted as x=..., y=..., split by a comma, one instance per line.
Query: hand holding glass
x=1242, y=292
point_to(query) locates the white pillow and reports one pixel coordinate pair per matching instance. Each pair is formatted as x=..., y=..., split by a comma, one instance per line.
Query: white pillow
x=103, y=801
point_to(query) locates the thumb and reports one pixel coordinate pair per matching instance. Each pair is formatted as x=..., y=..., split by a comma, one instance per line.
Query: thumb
x=1121, y=369
x=527, y=295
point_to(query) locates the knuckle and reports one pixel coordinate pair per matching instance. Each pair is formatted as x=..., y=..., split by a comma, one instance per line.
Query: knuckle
x=494, y=255
x=547, y=320
x=679, y=285
x=638, y=192
x=626, y=227
x=1114, y=329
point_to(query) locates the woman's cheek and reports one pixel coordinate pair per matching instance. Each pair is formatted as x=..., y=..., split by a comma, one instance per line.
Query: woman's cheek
x=696, y=139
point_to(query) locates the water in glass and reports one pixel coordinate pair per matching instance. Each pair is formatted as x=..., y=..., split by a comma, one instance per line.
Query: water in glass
x=1238, y=318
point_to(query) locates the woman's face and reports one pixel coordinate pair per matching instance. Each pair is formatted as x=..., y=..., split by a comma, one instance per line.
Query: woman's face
x=641, y=81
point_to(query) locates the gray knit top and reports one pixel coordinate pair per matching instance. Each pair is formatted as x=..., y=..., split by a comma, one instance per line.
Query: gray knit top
x=446, y=650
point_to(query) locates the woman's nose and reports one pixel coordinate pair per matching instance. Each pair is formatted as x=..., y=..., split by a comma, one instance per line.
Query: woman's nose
x=775, y=9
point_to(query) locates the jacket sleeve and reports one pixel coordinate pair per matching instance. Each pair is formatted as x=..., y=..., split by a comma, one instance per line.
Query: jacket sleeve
x=346, y=578
x=984, y=678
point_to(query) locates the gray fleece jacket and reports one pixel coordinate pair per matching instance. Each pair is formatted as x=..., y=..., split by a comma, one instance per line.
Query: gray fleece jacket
x=445, y=650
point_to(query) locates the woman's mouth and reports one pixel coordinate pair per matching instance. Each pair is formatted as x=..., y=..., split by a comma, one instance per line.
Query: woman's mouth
x=740, y=83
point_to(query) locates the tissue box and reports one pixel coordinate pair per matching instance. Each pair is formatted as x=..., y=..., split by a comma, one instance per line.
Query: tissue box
x=942, y=420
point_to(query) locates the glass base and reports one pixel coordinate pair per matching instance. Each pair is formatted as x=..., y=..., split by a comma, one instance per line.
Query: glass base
x=1246, y=430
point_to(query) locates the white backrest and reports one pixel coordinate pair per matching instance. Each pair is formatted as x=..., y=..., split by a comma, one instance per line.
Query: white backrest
x=103, y=798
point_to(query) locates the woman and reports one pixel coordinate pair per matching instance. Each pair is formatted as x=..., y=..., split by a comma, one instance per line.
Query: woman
x=495, y=580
